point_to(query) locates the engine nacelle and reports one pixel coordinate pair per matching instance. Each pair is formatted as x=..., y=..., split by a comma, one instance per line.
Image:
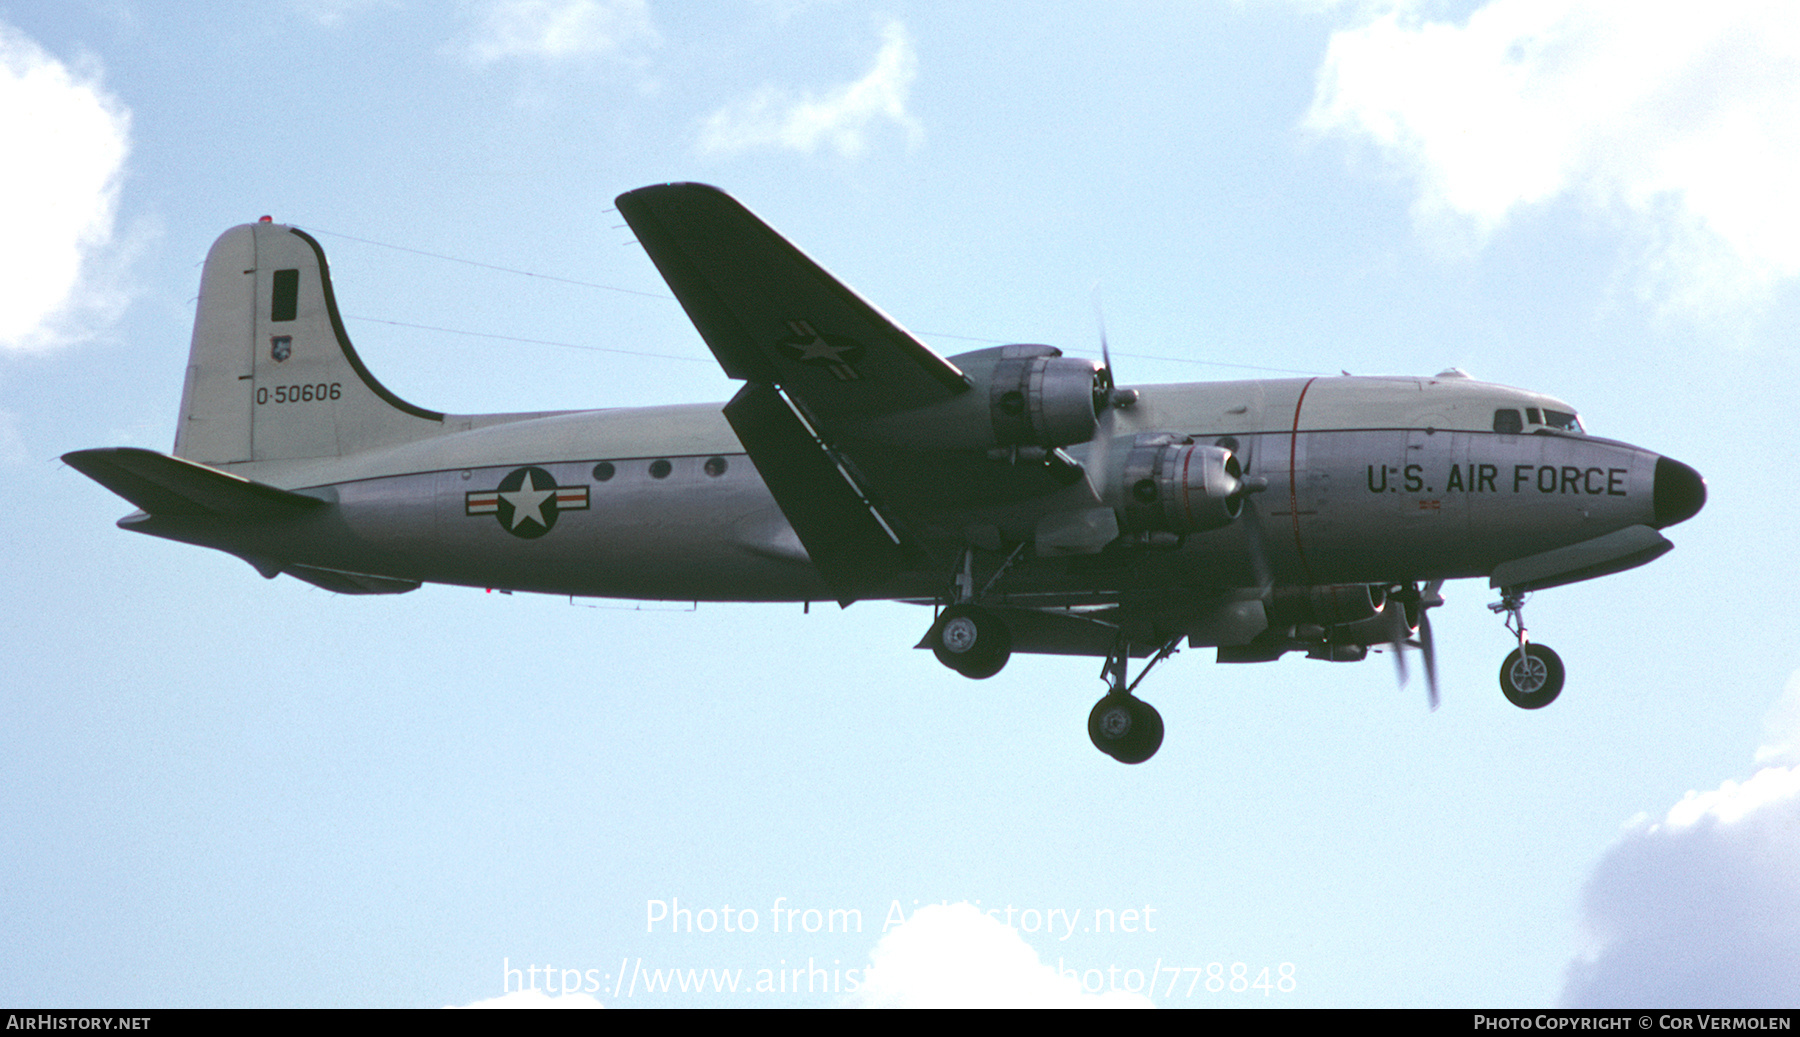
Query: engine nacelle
x=1181, y=487
x=1044, y=400
x=1024, y=401
x=1326, y=606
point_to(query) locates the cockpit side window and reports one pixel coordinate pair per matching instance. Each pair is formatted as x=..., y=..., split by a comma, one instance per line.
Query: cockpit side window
x=1507, y=420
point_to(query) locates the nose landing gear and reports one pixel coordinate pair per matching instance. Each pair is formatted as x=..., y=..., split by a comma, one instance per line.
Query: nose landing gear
x=1532, y=676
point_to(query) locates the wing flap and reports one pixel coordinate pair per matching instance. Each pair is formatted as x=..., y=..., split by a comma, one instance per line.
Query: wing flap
x=848, y=540
x=171, y=487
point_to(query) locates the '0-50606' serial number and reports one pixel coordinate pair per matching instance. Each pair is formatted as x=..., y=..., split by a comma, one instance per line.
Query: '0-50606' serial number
x=299, y=393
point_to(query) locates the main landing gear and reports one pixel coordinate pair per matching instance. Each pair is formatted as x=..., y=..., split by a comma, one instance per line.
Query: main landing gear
x=976, y=642
x=1532, y=676
x=971, y=640
x=1121, y=725
x=966, y=637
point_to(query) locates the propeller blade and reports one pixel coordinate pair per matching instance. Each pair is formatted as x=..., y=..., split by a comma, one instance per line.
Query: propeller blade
x=1402, y=631
x=1429, y=600
x=1430, y=653
x=1105, y=374
x=1259, y=556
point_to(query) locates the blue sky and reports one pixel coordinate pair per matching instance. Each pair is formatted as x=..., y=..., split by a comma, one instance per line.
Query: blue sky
x=225, y=791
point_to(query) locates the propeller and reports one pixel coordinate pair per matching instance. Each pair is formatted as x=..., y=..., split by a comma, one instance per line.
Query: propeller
x=1099, y=455
x=1251, y=519
x=1416, y=633
x=1103, y=378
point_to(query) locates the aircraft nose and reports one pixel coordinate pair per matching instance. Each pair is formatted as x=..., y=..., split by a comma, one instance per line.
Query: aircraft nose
x=1680, y=492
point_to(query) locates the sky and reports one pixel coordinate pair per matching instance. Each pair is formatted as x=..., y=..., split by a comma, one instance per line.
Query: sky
x=225, y=791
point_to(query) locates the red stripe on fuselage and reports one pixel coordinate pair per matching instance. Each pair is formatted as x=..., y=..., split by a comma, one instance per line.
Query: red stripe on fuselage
x=1294, y=479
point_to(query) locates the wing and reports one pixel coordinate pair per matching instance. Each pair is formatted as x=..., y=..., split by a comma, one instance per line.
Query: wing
x=866, y=438
x=773, y=316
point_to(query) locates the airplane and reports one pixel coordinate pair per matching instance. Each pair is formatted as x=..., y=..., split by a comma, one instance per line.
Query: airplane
x=1031, y=502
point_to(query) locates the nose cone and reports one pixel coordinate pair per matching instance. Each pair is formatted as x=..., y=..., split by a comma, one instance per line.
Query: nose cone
x=1679, y=493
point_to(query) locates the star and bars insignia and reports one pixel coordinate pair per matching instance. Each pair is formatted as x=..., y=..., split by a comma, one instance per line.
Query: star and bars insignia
x=835, y=353
x=526, y=502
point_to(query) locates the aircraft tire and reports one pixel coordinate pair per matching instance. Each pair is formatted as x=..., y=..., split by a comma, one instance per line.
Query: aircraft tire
x=1126, y=728
x=972, y=641
x=1531, y=677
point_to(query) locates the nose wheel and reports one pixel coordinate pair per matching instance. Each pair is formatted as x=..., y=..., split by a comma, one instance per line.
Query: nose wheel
x=1532, y=676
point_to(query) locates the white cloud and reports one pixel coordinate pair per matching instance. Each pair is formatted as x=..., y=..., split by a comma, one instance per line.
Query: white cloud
x=66, y=139
x=12, y=441
x=1781, y=726
x=1681, y=118
x=842, y=118
x=535, y=998
x=1702, y=908
x=956, y=957
x=559, y=29
x=332, y=13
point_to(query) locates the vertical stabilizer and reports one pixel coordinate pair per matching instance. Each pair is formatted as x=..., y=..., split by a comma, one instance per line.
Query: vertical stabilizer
x=271, y=373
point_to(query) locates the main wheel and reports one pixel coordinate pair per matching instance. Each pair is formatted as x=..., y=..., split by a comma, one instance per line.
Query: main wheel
x=1125, y=728
x=972, y=641
x=1531, y=677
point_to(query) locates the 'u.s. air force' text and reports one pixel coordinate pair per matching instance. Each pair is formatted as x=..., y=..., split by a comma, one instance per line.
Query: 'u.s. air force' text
x=1485, y=478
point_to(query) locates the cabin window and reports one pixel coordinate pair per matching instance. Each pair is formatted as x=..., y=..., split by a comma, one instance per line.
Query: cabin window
x=284, y=301
x=603, y=471
x=659, y=469
x=1507, y=420
x=1531, y=415
x=715, y=466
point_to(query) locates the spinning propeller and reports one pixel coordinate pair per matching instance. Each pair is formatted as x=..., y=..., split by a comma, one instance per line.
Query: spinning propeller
x=1412, y=629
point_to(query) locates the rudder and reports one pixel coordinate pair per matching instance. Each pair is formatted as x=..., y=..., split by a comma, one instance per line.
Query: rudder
x=271, y=372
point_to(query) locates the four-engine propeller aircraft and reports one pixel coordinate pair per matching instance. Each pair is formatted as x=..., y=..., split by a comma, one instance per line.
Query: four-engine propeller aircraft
x=1036, y=505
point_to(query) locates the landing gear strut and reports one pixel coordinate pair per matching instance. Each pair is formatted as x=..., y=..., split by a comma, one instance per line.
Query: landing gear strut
x=1123, y=726
x=1532, y=676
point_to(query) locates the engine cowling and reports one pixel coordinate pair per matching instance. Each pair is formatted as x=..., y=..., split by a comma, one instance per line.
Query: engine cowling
x=1326, y=606
x=1024, y=401
x=1181, y=488
x=1045, y=401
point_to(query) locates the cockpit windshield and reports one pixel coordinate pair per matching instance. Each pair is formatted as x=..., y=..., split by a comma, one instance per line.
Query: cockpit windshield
x=1562, y=421
x=1511, y=420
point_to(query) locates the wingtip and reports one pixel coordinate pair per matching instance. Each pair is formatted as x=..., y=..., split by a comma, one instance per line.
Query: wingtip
x=673, y=187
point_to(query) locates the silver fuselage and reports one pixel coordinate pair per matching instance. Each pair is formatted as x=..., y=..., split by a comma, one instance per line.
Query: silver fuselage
x=1368, y=480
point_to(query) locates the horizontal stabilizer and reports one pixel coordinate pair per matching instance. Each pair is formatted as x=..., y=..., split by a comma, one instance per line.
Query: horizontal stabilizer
x=173, y=488
x=339, y=582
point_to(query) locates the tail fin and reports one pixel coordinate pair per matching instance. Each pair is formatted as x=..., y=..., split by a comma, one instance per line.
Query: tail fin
x=271, y=373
